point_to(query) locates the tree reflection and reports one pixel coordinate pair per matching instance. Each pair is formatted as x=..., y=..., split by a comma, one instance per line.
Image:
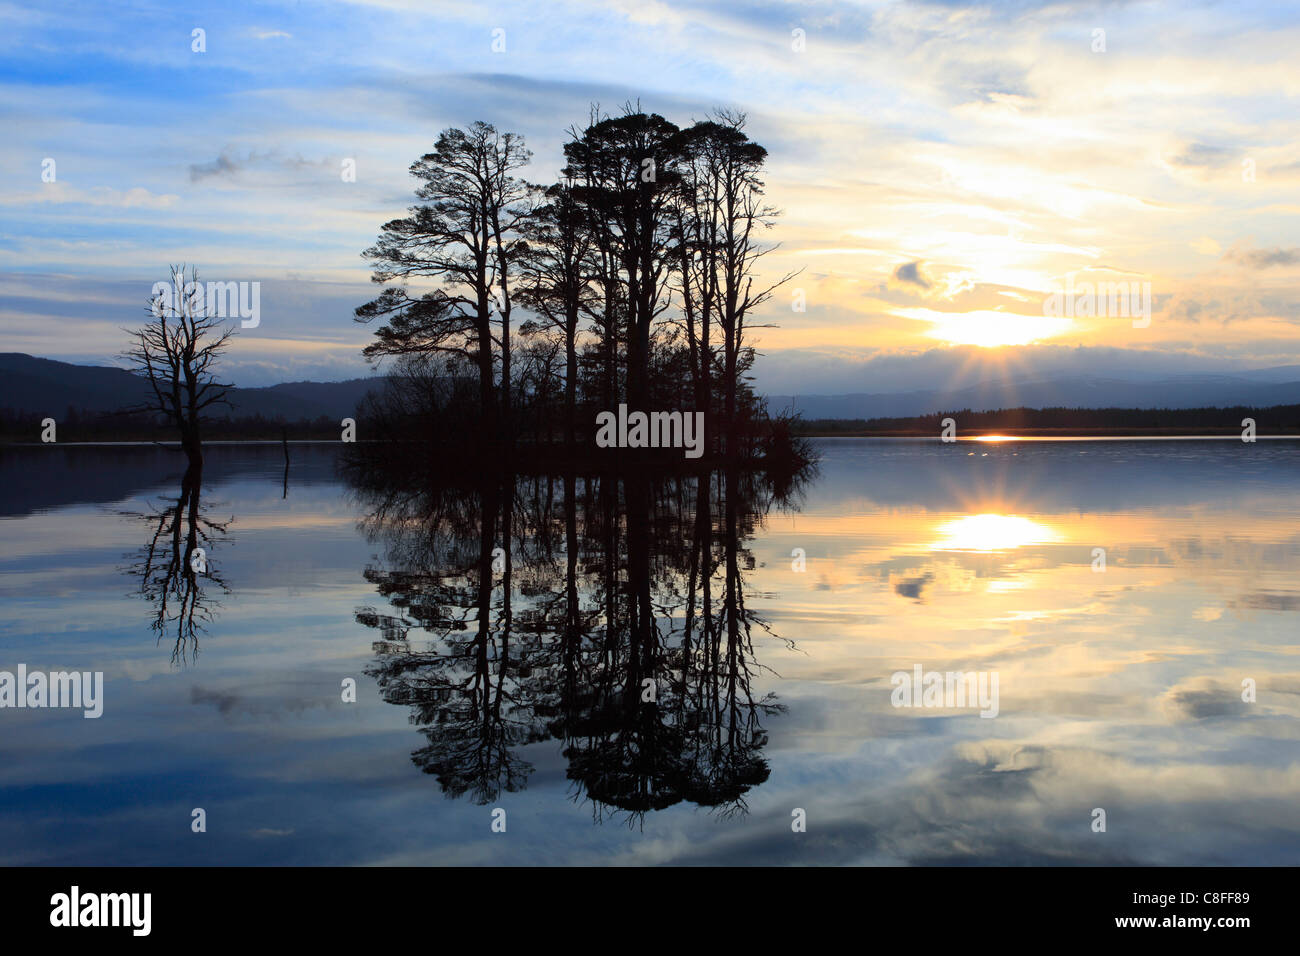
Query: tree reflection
x=174, y=567
x=606, y=612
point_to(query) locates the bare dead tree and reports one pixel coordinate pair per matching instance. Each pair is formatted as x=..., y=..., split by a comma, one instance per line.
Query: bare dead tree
x=175, y=353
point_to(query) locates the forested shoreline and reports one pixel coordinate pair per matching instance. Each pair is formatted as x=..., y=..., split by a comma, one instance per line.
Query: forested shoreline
x=1047, y=422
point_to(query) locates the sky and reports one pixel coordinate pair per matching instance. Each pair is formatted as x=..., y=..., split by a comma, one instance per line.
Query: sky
x=942, y=169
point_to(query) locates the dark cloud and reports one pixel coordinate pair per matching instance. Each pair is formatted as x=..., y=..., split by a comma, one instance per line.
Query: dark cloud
x=229, y=164
x=910, y=273
x=223, y=165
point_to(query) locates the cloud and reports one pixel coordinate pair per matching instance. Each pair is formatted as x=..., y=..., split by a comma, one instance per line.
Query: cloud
x=910, y=274
x=223, y=165
x=228, y=164
x=1265, y=258
x=1203, y=156
x=61, y=193
x=1285, y=170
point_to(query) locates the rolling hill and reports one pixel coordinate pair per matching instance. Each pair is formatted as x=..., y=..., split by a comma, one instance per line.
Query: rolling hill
x=31, y=386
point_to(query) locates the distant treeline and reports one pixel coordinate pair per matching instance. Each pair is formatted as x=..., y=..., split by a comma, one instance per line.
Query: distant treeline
x=78, y=425
x=1275, y=420
x=81, y=425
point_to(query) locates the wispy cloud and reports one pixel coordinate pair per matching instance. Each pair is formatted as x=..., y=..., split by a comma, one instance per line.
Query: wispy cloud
x=1265, y=258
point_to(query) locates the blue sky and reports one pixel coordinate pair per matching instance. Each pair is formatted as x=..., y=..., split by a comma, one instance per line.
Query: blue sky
x=941, y=168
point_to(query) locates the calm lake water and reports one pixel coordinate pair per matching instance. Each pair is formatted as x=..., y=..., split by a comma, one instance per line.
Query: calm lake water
x=768, y=630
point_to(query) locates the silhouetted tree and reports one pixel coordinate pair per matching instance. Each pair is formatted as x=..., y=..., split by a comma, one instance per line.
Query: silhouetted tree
x=625, y=171
x=466, y=233
x=720, y=218
x=558, y=280
x=175, y=352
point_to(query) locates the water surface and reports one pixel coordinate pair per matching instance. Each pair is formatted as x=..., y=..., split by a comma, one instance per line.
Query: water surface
x=769, y=629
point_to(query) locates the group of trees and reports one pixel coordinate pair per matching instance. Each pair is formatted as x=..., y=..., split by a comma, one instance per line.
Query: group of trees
x=513, y=311
x=516, y=309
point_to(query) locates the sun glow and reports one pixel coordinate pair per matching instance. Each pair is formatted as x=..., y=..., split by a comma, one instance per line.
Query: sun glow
x=991, y=532
x=987, y=328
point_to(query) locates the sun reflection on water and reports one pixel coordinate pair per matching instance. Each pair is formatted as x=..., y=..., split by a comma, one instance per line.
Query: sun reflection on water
x=991, y=532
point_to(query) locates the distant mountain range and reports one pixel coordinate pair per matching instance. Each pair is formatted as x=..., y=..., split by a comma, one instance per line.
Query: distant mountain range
x=37, y=386
x=1262, y=388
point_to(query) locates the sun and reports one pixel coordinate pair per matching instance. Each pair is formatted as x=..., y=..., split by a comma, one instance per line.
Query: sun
x=987, y=328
